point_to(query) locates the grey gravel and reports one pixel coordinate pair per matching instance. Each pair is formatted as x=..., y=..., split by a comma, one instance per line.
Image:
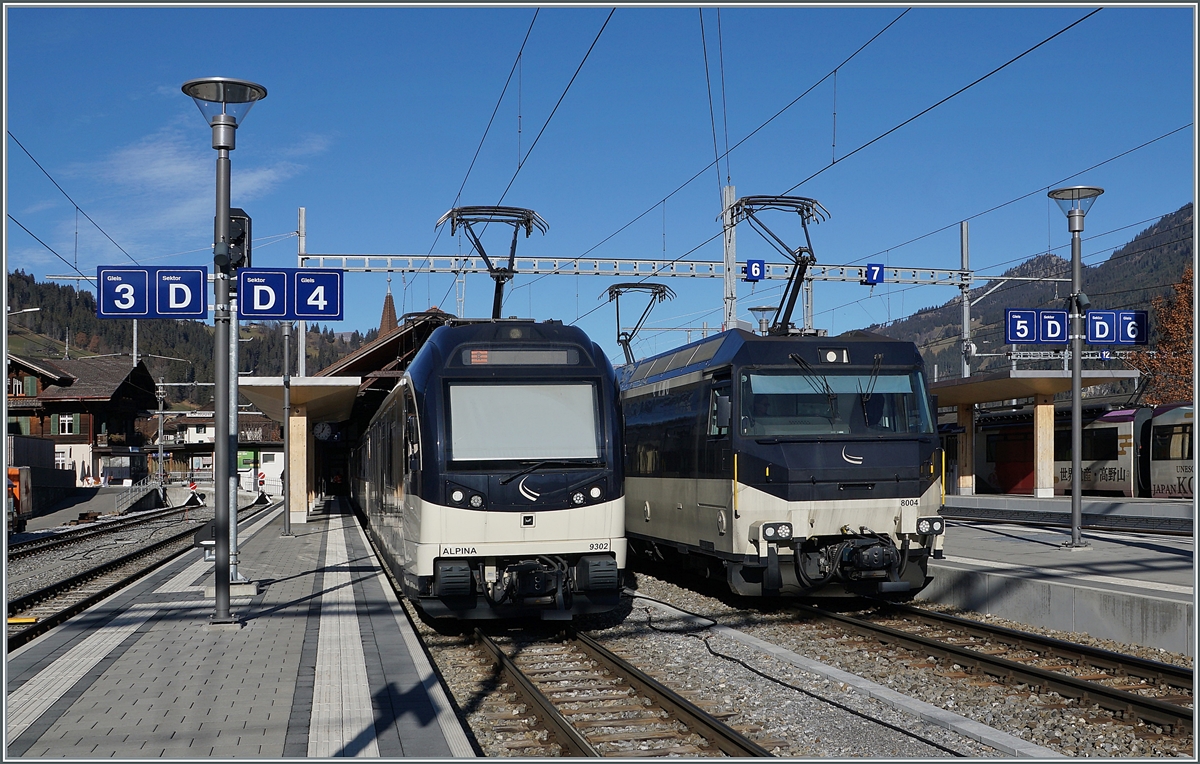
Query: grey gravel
x=1047, y=720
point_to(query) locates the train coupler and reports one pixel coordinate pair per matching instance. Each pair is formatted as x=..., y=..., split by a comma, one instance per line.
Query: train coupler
x=541, y=582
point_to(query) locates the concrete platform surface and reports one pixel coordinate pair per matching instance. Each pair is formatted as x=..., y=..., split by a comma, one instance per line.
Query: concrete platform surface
x=323, y=663
x=1133, y=588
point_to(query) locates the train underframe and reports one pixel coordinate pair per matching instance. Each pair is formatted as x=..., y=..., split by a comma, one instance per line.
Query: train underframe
x=765, y=546
x=547, y=586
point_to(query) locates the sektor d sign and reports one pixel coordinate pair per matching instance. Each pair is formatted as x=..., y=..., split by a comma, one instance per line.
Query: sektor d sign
x=290, y=294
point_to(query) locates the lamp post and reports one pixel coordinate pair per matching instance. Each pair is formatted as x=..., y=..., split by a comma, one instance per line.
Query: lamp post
x=287, y=427
x=761, y=313
x=224, y=103
x=1075, y=202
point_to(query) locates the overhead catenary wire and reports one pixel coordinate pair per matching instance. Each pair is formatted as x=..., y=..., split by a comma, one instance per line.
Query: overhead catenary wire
x=712, y=117
x=958, y=92
x=724, y=106
x=78, y=209
x=546, y=124
x=47, y=246
x=482, y=139
x=748, y=136
x=566, y=90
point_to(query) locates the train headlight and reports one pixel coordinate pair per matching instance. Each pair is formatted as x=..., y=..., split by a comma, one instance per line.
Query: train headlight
x=476, y=501
x=595, y=492
x=931, y=526
x=578, y=498
x=457, y=496
x=776, y=531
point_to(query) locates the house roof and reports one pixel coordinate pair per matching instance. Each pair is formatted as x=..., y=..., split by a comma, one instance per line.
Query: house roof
x=100, y=379
x=42, y=366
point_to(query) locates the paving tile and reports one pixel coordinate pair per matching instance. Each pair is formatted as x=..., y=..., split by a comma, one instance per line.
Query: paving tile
x=153, y=682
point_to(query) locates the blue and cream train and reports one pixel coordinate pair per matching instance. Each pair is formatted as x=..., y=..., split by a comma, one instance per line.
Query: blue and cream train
x=492, y=477
x=785, y=465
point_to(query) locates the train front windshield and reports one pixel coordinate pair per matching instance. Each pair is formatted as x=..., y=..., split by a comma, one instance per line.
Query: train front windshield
x=787, y=402
x=523, y=422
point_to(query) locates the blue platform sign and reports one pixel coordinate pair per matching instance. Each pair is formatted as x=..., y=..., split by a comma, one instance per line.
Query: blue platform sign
x=1116, y=327
x=1027, y=326
x=874, y=273
x=138, y=292
x=1052, y=327
x=1132, y=327
x=755, y=270
x=290, y=294
x=263, y=293
x=1020, y=327
x=1101, y=327
x=318, y=294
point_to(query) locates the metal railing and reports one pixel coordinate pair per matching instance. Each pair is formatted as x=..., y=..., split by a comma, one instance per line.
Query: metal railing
x=134, y=493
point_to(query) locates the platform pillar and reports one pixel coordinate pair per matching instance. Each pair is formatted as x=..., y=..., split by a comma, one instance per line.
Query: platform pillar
x=966, y=450
x=297, y=465
x=1043, y=446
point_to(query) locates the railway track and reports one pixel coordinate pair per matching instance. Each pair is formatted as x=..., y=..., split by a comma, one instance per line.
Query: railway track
x=69, y=538
x=1131, y=688
x=589, y=701
x=572, y=697
x=35, y=613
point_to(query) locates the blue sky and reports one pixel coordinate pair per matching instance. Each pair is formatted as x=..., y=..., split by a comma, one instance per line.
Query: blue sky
x=374, y=114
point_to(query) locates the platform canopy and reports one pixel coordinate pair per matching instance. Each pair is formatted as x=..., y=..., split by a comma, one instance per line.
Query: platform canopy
x=1019, y=383
x=326, y=399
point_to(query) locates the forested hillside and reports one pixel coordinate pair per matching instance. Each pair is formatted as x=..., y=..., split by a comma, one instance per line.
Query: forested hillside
x=1148, y=266
x=67, y=323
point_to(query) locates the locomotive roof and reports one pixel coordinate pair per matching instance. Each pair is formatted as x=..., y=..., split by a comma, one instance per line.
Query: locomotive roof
x=743, y=347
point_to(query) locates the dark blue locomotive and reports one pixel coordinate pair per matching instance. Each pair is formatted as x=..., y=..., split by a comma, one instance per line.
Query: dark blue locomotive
x=795, y=465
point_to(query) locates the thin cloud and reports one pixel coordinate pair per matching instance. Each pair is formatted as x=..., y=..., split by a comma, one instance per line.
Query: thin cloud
x=158, y=192
x=311, y=144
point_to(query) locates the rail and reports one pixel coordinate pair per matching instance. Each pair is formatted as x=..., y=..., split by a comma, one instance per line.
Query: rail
x=536, y=694
x=1084, y=689
x=134, y=493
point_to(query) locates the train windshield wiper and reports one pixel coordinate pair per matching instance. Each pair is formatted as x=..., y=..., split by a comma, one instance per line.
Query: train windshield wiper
x=553, y=462
x=865, y=396
x=819, y=383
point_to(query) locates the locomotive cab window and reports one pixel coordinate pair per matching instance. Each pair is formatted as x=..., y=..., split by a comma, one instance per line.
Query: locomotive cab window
x=490, y=422
x=791, y=401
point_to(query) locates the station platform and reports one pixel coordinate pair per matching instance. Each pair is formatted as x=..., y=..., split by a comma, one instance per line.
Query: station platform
x=323, y=662
x=1135, y=588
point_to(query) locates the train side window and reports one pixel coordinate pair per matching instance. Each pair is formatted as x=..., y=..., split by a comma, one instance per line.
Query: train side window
x=720, y=412
x=1101, y=445
x=1171, y=442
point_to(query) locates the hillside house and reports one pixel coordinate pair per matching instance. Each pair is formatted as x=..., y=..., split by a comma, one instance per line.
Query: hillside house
x=89, y=407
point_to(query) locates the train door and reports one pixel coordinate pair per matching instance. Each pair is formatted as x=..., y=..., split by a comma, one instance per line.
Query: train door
x=714, y=491
x=411, y=444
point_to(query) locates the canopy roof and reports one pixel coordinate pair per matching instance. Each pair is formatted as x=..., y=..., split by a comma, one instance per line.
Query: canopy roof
x=1019, y=383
